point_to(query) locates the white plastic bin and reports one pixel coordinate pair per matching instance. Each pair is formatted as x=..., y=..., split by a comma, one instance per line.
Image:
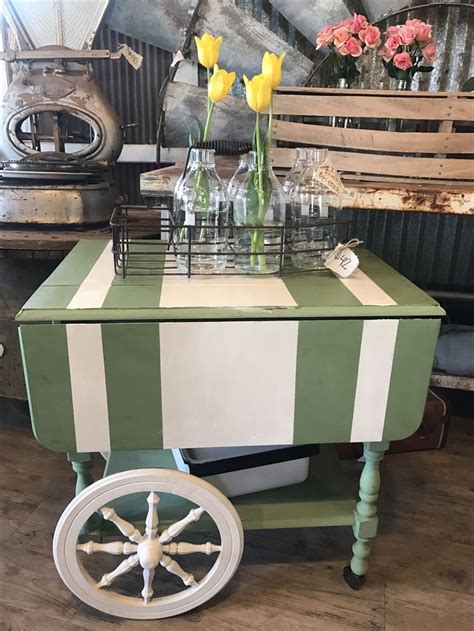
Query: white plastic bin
x=241, y=470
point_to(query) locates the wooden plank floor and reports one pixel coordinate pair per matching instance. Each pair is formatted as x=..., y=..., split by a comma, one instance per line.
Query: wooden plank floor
x=421, y=575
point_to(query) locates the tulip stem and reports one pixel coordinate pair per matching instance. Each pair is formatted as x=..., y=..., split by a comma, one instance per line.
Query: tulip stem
x=259, y=236
x=269, y=133
x=208, y=99
x=207, y=128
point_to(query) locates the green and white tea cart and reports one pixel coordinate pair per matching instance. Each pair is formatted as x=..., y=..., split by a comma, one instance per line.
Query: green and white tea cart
x=135, y=367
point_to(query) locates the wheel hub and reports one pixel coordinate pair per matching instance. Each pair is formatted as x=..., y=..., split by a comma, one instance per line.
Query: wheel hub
x=149, y=553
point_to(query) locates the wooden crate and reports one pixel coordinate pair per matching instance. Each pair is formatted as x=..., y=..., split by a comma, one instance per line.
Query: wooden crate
x=438, y=148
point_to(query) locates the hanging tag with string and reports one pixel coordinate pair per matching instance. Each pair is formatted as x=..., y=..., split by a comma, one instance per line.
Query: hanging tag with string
x=343, y=261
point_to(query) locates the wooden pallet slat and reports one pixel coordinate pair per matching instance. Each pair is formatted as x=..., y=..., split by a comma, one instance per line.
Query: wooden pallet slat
x=434, y=149
x=370, y=106
x=456, y=169
x=374, y=140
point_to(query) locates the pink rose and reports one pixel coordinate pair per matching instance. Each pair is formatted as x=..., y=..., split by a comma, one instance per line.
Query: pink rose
x=393, y=30
x=386, y=53
x=371, y=36
x=429, y=52
x=341, y=35
x=393, y=42
x=413, y=22
x=402, y=61
x=325, y=37
x=351, y=47
x=423, y=32
x=407, y=33
x=345, y=23
x=358, y=22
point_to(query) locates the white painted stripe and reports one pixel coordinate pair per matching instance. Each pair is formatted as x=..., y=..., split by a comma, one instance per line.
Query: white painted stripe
x=89, y=392
x=93, y=289
x=366, y=291
x=236, y=291
x=224, y=291
x=373, y=379
x=231, y=383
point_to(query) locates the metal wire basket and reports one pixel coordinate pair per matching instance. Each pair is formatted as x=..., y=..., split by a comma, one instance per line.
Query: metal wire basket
x=143, y=245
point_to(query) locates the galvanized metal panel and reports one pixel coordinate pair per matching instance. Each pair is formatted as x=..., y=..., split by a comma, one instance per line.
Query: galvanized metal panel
x=132, y=93
x=70, y=23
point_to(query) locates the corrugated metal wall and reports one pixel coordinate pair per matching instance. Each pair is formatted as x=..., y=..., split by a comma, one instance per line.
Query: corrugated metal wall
x=435, y=251
x=133, y=94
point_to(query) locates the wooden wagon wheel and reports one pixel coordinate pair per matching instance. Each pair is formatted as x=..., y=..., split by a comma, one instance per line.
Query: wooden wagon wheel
x=150, y=549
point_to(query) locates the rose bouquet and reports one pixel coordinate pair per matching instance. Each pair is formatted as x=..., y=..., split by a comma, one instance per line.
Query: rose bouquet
x=347, y=40
x=407, y=48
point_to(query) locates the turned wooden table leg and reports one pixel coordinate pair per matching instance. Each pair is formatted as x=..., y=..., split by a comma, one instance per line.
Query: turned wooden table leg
x=365, y=514
x=81, y=465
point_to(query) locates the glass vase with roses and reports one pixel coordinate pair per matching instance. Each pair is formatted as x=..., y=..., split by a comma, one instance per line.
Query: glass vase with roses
x=408, y=49
x=347, y=40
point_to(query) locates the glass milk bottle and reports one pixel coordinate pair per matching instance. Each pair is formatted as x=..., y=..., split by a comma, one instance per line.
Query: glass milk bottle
x=296, y=170
x=313, y=215
x=201, y=217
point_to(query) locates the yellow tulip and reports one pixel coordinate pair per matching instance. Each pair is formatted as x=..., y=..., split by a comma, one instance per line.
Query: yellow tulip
x=271, y=66
x=220, y=84
x=208, y=49
x=259, y=92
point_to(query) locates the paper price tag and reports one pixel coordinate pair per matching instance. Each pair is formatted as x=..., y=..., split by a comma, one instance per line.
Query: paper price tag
x=190, y=217
x=331, y=178
x=343, y=261
x=133, y=58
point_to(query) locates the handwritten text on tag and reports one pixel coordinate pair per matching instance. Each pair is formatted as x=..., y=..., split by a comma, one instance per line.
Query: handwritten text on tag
x=329, y=176
x=133, y=58
x=343, y=261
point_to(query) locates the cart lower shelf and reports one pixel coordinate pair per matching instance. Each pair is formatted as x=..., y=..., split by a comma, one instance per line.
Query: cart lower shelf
x=326, y=498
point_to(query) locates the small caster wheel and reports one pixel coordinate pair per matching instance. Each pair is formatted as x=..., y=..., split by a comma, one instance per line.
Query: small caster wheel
x=354, y=581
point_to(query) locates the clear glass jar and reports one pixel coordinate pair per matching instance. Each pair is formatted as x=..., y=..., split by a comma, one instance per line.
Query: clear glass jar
x=297, y=169
x=313, y=213
x=259, y=215
x=201, y=217
x=238, y=177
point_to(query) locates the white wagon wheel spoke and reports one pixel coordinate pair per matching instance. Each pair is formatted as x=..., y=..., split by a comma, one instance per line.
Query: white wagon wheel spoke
x=123, y=568
x=151, y=521
x=175, y=529
x=114, y=547
x=125, y=527
x=191, y=548
x=147, y=591
x=174, y=568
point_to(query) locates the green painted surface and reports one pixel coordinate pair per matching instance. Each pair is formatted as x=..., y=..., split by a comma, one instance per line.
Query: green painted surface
x=324, y=499
x=326, y=376
x=121, y=297
x=78, y=263
x=411, y=370
x=132, y=374
x=319, y=290
x=46, y=365
x=49, y=300
x=318, y=295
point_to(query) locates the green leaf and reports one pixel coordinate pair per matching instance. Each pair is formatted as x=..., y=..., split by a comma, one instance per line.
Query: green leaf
x=468, y=86
x=200, y=127
x=425, y=68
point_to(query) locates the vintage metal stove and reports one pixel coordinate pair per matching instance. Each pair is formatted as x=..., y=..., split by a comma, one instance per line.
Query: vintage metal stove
x=54, y=103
